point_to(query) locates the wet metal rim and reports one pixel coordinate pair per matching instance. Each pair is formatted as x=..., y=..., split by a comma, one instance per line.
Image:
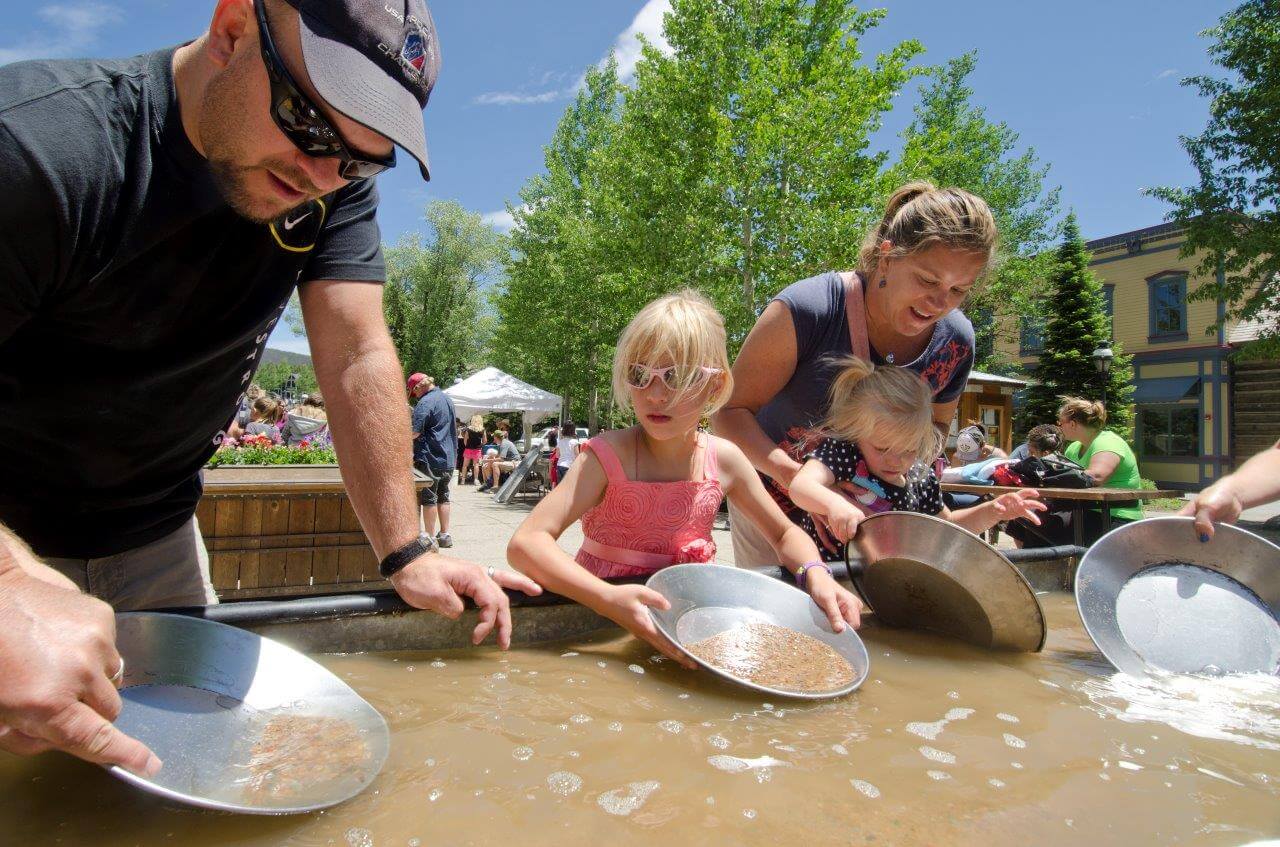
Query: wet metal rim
x=1156, y=600
x=200, y=693
x=923, y=572
x=709, y=599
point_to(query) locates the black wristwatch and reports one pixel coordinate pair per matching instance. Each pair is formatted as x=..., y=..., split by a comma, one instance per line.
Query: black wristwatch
x=398, y=559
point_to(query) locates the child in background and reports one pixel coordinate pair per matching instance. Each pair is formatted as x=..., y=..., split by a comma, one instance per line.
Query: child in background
x=879, y=437
x=648, y=495
x=265, y=416
x=566, y=449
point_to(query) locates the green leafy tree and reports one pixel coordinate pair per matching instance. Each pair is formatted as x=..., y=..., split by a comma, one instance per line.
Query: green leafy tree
x=1077, y=326
x=433, y=299
x=561, y=306
x=952, y=143
x=273, y=376
x=1231, y=215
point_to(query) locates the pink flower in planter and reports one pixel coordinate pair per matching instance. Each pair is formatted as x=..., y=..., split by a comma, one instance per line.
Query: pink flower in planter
x=697, y=551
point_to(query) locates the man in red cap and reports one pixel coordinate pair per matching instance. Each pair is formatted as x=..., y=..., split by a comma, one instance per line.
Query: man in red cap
x=435, y=452
x=158, y=213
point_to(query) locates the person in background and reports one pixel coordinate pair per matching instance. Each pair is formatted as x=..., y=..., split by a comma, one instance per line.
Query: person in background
x=473, y=438
x=1105, y=457
x=1043, y=440
x=504, y=461
x=567, y=448
x=648, y=495
x=434, y=445
x=1255, y=482
x=265, y=418
x=309, y=422
x=251, y=394
x=972, y=446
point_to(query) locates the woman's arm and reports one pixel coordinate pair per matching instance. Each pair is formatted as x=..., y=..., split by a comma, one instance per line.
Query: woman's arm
x=1102, y=466
x=794, y=548
x=765, y=364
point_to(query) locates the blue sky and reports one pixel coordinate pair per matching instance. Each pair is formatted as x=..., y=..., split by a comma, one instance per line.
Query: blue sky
x=1092, y=86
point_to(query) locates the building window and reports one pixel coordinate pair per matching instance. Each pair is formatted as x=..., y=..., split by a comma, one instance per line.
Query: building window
x=1168, y=431
x=1030, y=336
x=1167, y=307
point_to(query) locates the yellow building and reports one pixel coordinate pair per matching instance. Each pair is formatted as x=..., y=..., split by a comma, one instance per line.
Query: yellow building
x=1183, y=380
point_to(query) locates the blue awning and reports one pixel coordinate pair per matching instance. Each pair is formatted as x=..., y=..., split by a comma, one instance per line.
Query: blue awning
x=1168, y=389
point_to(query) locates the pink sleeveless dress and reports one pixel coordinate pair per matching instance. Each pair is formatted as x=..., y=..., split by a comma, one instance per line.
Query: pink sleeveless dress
x=641, y=527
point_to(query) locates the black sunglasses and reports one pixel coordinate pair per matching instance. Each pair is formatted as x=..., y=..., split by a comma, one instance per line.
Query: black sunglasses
x=300, y=120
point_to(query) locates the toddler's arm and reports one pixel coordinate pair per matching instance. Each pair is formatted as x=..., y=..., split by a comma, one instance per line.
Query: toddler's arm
x=1006, y=507
x=813, y=489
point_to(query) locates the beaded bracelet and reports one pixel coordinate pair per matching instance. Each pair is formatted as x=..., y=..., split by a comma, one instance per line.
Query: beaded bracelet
x=804, y=569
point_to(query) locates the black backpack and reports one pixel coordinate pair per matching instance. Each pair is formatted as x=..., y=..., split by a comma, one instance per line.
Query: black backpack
x=1052, y=472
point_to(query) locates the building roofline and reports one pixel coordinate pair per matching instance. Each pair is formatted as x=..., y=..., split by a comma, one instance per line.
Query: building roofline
x=1125, y=239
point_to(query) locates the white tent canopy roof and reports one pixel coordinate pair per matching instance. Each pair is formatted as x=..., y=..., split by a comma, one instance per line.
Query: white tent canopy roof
x=492, y=390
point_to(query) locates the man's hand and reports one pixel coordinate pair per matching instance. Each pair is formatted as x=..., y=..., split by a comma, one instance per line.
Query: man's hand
x=1216, y=504
x=438, y=584
x=57, y=657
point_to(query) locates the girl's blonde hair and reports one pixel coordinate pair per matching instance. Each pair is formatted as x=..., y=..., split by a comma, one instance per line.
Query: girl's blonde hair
x=477, y=423
x=681, y=329
x=889, y=406
x=919, y=216
x=266, y=408
x=1090, y=413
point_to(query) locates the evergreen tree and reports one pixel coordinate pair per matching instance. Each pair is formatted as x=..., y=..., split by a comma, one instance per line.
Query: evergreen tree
x=1077, y=325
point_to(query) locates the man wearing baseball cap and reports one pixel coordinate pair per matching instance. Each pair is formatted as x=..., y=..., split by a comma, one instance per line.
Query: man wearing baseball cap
x=435, y=451
x=158, y=212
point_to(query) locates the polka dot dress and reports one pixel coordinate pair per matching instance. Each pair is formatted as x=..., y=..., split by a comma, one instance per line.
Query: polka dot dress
x=921, y=493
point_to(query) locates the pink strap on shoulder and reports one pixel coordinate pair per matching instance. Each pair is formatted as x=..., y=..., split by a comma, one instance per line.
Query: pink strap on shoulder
x=710, y=462
x=607, y=458
x=855, y=310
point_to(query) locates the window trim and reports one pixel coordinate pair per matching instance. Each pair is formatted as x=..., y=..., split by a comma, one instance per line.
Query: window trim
x=1023, y=349
x=1157, y=336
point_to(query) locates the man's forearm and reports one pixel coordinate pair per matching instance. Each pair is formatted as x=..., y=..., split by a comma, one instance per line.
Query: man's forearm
x=370, y=428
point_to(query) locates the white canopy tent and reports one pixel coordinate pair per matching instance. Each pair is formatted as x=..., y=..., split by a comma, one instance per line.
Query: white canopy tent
x=492, y=390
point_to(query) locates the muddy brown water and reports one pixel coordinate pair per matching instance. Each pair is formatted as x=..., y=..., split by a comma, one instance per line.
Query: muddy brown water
x=597, y=741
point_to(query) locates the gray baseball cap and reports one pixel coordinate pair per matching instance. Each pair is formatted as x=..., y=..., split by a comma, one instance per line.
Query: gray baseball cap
x=375, y=61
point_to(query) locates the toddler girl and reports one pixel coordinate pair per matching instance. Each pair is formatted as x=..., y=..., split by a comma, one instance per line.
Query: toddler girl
x=648, y=495
x=876, y=443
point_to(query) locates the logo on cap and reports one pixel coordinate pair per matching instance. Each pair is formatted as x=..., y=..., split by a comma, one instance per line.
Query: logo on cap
x=414, y=51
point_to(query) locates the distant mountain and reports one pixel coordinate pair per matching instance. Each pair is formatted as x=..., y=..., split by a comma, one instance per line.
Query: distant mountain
x=271, y=355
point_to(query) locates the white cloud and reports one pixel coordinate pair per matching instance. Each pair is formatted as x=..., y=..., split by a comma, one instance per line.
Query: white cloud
x=1166, y=73
x=69, y=30
x=626, y=47
x=502, y=221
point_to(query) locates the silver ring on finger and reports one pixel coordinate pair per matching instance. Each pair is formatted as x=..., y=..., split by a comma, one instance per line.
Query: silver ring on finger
x=490, y=571
x=118, y=676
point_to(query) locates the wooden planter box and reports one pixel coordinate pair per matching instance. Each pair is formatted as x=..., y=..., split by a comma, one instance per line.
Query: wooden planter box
x=284, y=530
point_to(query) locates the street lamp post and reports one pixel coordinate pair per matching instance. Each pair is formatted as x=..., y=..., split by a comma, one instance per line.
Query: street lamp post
x=1102, y=357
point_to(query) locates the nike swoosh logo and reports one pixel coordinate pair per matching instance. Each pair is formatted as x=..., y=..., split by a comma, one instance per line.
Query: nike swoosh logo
x=290, y=224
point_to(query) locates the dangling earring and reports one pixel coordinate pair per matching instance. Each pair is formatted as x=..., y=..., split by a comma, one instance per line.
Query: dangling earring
x=883, y=282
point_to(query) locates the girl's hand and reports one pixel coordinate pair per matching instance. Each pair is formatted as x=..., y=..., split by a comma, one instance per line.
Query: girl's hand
x=844, y=521
x=1020, y=504
x=628, y=606
x=840, y=605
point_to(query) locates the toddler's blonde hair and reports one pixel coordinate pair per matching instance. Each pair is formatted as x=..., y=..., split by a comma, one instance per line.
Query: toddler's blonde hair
x=681, y=329
x=889, y=406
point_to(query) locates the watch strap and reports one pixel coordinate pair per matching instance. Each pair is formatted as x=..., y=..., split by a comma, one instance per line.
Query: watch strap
x=398, y=559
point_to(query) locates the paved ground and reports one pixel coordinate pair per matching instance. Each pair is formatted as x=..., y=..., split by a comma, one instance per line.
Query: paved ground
x=482, y=528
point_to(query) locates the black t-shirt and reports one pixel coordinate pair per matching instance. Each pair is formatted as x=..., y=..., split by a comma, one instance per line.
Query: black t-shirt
x=134, y=303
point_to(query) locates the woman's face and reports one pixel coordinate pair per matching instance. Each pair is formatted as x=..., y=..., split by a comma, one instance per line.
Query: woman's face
x=1071, y=430
x=919, y=289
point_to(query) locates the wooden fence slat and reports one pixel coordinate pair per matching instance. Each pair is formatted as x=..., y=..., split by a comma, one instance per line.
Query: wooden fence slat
x=224, y=567
x=324, y=563
x=250, y=560
x=351, y=563
x=302, y=519
x=275, y=522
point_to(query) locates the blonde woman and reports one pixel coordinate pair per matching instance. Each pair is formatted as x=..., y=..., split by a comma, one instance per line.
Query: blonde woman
x=473, y=438
x=647, y=495
x=900, y=307
x=878, y=442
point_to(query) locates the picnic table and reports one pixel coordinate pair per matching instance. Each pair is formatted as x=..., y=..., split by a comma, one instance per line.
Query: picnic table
x=1081, y=499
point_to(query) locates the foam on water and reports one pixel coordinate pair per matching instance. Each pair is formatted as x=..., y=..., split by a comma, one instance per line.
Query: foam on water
x=522, y=754
x=580, y=718
x=719, y=742
x=434, y=794
x=1007, y=718
x=1014, y=741
x=624, y=801
x=635, y=668
x=1242, y=708
x=996, y=783
x=865, y=788
x=673, y=727
x=357, y=837
x=839, y=749
x=938, y=775
x=733, y=764
x=941, y=756
x=438, y=663
x=564, y=783
x=616, y=726
x=930, y=730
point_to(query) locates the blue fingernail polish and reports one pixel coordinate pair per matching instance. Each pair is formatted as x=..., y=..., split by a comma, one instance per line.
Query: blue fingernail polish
x=1204, y=538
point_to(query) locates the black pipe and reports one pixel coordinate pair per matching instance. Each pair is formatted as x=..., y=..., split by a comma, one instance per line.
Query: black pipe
x=1045, y=554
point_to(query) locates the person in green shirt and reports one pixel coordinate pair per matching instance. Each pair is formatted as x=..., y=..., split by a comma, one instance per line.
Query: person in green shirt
x=1105, y=457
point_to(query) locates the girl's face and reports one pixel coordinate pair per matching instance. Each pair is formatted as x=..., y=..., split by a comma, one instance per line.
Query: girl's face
x=661, y=411
x=886, y=462
x=921, y=288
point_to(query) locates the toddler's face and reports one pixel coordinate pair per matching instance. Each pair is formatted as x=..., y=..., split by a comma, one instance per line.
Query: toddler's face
x=885, y=462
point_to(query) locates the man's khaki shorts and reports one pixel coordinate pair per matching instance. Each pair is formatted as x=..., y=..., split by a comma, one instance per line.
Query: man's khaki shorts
x=172, y=571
